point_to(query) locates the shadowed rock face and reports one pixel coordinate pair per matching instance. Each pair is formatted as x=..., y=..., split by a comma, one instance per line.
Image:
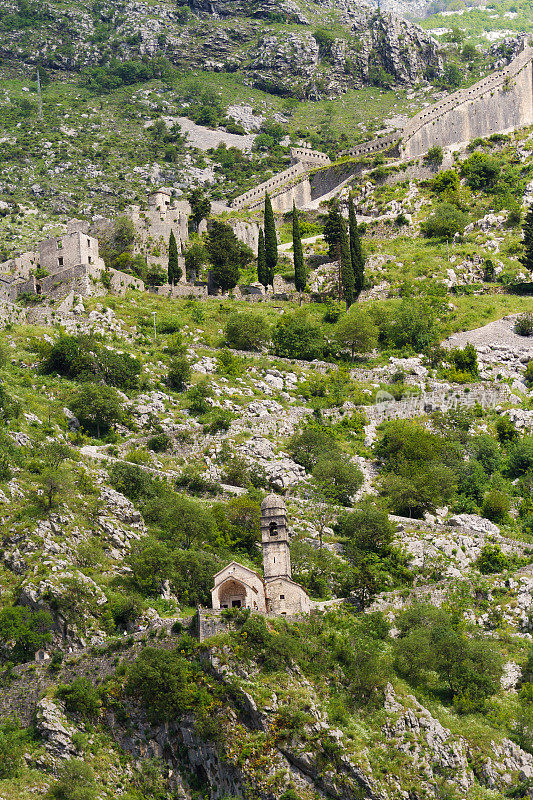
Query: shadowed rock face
x=288, y=62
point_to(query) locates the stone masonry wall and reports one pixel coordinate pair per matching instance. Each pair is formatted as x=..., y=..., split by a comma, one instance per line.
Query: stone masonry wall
x=499, y=103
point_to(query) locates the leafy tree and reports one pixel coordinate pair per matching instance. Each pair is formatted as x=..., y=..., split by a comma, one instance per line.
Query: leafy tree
x=505, y=429
x=262, y=272
x=227, y=255
x=465, y=360
x=150, y=563
x=299, y=263
x=445, y=222
x=179, y=373
x=132, y=481
x=246, y=331
x=346, y=269
x=446, y=184
x=181, y=522
x=434, y=156
x=198, y=396
x=76, y=781
x=295, y=336
x=368, y=529
x=472, y=481
x=430, y=646
x=411, y=325
x=357, y=332
x=339, y=479
x=192, y=574
x=520, y=457
x=195, y=256
x=174, y=268
x=156, y=276
x=485, y=450
x=97, y=407
x=23, y=632
x=451, y=77
x=481, y=171
x=496, y=505
x=166, y=683
x=271, y=241
x=12, y=745
x=491, y=560
x=200, y=206
x=313, y=444
x=80, y=697
x=356, y=250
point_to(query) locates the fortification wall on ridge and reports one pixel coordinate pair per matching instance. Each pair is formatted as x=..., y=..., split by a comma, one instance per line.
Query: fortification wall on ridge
x=255, y=196
x=499, y=103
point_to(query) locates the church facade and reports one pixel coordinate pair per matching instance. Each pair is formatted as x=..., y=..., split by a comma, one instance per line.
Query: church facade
x=237, y=586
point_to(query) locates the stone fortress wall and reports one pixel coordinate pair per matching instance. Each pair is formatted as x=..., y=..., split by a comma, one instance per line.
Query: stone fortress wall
x=499, y=103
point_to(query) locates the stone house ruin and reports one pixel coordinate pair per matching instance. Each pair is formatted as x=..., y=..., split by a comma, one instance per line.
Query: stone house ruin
x=237, y=586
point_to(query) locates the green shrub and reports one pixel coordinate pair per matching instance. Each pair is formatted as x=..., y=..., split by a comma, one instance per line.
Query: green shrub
x=98, y=408
x=295, y=336
x=491, y=559
x=496, y=506
x=524, y=324
x=75, y=782
x=159, y=443
x=132, y=481
x=166, y=684
x=12, y=745
x=80, y=697
x=198, y=396
x=520, y=457
x=179, y=373
x=23, y=632
x=338, y=479
x=312, y=445
x=246, y=331
x=528, y=375
x=505, y=429
x=445, y=222
x=432, y=652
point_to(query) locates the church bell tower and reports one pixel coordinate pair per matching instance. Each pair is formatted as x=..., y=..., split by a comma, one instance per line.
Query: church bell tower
x=275, y=538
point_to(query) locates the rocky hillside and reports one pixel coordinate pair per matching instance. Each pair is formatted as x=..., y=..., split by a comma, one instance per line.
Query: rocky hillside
x=275, y=46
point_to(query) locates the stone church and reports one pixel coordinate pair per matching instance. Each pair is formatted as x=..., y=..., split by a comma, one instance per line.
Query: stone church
x=237, y=586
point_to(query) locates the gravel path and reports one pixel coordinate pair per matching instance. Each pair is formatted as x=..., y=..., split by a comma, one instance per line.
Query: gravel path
x=495, y=335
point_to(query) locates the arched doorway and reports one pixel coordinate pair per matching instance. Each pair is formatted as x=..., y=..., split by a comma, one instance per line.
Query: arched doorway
x=232, y=594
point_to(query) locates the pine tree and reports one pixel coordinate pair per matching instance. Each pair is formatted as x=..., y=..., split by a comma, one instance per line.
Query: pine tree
x=271, y=241
x=527, y=258
x=174, y=269
x=262, y=275
x=299, y=264
x=332, y=230
x=356, y=251
x=347, y=279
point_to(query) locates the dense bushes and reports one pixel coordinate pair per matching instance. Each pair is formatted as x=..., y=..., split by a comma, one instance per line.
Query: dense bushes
x=419, y=468
x=80, y=697
x=83, y=358
x=295, y=336
x=12, y=745
x=167, y=684
x=246, y=331
x=432, y=651
x=98, y=408
x=23, y=632
x=445, y=221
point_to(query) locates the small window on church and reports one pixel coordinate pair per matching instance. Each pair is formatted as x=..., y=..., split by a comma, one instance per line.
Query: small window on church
x=273, y=528
x=282, y=597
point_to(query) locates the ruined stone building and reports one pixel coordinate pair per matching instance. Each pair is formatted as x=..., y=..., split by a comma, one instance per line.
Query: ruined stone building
x=237, y=586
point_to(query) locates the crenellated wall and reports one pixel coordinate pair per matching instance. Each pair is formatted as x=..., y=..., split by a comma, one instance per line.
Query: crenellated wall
x=500, y=103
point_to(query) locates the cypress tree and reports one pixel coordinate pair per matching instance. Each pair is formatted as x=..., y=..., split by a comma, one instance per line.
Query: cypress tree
x=271, y=241
x=174, y=269
x=299, y=264
x=332, y=230
x=527, y=258
x=347, y=279
x=356, y=251
x=262, y=275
